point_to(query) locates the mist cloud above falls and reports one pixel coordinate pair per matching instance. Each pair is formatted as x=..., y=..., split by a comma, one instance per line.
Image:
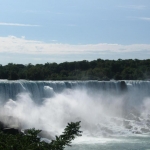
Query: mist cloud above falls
x=55, y=112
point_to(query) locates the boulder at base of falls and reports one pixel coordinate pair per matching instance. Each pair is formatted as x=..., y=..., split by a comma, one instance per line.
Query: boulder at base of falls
x=148, y=123
x=11, y=131
x=145, y=130
x=128, y=127
x=136, y=132
x=105, y=129
x=10, y=125
x=2, y=125
x=127, y=124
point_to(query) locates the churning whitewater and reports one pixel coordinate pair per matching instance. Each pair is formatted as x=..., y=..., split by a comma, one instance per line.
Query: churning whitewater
x=105, y=108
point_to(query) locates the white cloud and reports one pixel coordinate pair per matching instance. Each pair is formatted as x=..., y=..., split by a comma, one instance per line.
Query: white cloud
x=12, y=44
x=17, y=24
x=23, y=51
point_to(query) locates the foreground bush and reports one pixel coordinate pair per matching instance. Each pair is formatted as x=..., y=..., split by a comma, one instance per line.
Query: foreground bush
x=30, y=141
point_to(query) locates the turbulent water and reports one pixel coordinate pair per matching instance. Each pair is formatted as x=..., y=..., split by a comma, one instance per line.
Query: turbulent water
x=113, y=114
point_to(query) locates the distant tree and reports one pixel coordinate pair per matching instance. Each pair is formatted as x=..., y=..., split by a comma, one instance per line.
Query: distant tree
x=79, y=70
x=13, y=76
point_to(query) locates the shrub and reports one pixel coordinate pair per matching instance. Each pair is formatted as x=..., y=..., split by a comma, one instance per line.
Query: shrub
x=31, y=141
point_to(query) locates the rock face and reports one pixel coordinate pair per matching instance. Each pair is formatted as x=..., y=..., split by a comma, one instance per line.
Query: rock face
x=11, y=131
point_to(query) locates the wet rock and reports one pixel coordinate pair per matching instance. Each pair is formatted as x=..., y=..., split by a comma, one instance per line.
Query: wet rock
x=11, y=131
x=136, y=132
x=2, y=125
x=109, y=131
x=128, y=127
x=137, y=119
x=148, y=123
x=135, y=128
x=127, y=124
x=145, y=130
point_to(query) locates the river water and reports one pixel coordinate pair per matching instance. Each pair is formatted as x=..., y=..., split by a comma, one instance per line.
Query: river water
x=121, y=143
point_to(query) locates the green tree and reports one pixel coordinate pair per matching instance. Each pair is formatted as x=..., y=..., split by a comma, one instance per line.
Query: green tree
x=31, y=141
x=79, y=70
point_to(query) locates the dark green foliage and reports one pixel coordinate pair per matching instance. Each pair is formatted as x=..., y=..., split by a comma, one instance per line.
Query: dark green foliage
x=82, y=70
x=32, y=142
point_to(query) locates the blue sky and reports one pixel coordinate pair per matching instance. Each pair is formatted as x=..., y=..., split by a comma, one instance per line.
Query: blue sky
x=41, y=31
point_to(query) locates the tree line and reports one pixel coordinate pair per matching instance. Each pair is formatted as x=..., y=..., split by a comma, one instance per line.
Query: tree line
x=79, y=70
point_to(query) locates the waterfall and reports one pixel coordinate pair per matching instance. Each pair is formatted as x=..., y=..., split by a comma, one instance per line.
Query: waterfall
x=39, y=89
x=105, y=108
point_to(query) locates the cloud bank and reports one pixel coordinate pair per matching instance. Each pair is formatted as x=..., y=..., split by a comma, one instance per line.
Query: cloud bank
x=12, y=44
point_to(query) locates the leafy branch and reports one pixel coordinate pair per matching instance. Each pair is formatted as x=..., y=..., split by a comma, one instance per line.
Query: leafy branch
x=31, y=141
